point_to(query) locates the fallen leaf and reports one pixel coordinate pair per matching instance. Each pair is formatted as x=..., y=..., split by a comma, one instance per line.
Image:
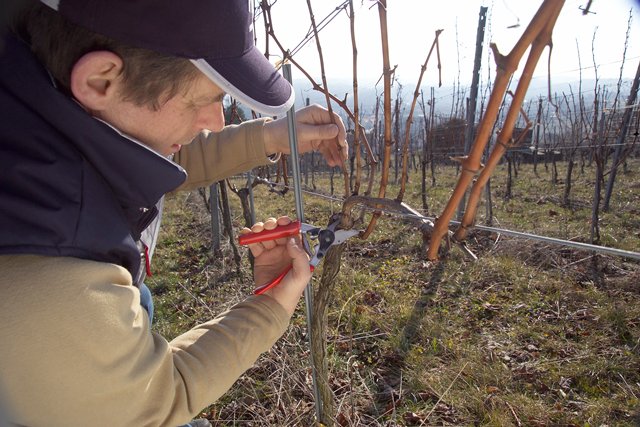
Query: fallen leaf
x=492, y=389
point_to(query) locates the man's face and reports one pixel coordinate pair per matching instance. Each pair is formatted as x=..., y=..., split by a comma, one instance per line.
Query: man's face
x=178, y=120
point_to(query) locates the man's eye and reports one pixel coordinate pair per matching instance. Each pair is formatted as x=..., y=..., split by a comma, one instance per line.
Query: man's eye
x=200, y=104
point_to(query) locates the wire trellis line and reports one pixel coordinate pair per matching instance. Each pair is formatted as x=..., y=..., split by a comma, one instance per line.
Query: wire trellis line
x=512, y=233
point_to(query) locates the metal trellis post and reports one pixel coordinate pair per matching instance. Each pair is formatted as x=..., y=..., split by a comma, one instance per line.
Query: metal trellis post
x=297, y=191
x=252, y=206
x=215, y=218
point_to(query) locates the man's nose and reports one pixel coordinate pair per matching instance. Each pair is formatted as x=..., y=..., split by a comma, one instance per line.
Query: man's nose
x=212, y=118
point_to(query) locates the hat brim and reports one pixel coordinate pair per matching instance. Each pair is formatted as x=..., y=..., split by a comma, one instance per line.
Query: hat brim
x=252, y=80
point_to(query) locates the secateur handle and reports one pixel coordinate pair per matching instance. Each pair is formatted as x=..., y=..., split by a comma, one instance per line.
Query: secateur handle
x=262, y=289
x=280, y=231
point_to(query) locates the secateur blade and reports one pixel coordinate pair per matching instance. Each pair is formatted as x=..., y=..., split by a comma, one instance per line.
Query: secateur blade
x=328, y=237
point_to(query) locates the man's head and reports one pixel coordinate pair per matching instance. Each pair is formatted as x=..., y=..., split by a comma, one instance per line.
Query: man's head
x=147, y=53
x=149, y=78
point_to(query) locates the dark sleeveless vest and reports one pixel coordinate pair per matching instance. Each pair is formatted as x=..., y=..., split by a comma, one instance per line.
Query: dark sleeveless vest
x=70, y=185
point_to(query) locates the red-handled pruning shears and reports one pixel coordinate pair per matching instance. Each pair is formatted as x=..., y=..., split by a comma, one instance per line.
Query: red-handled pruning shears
x=324, y=238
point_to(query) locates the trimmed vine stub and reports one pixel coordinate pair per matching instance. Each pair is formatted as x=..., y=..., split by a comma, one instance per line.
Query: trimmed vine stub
x=537, y=36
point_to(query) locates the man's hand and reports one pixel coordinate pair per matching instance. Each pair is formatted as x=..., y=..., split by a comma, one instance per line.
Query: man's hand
x=315, y=132
x=272, y=257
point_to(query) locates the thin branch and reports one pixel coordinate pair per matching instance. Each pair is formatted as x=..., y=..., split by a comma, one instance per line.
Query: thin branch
x=407, y=133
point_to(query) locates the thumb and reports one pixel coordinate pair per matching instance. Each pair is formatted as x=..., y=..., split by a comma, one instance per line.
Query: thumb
x=300, y=260
x=313, y=132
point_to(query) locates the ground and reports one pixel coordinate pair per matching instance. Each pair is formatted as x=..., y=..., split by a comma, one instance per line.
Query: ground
x=530, y=334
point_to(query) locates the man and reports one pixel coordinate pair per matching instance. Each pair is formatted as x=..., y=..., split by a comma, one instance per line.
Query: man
x=94, y=96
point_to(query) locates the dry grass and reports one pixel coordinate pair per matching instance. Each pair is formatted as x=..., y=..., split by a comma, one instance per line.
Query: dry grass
x=530, y=335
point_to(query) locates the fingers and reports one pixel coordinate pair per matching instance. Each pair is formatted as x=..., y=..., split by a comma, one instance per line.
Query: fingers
x=335, y=152
x=329, y=139
x=333, y=138
x=268, y=224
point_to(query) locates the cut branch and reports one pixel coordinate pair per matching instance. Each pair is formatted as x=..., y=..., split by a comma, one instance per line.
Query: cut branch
x=538, y=36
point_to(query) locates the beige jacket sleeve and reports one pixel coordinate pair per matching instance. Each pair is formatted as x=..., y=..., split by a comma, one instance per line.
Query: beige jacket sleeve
x=77, y=349
x=214, y=156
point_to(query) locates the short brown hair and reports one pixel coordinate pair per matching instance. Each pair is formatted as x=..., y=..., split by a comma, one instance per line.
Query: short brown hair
x=149, y=78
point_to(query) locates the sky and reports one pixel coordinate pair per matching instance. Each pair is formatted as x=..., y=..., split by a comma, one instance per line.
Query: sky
x=412, y=25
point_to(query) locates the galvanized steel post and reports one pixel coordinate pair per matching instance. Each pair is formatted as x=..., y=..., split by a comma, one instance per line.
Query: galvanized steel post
x=297, y=191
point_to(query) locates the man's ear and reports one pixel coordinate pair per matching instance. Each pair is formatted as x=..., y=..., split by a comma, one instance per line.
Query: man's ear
x=95, y=79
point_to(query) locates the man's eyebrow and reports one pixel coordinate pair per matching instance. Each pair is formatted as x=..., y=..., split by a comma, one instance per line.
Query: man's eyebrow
x=211, y=99
x=220, y=97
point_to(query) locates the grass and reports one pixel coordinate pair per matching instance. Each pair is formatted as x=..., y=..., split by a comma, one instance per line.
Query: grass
x=531, y=334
